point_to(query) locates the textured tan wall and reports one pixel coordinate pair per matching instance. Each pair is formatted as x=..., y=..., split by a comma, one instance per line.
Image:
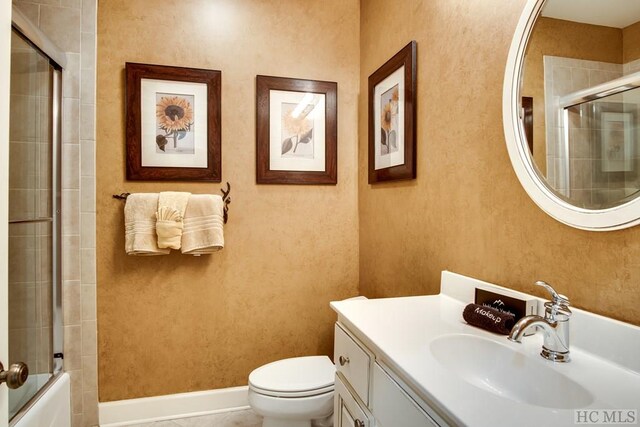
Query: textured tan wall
x=466, y=212
x=568, y=39
x=631, y=42
x=175, y=323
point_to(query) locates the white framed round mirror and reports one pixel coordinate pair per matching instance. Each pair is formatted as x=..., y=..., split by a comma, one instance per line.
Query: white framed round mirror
x=571, y=110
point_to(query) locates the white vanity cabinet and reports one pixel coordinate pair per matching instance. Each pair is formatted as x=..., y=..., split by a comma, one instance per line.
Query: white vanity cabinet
x=367, y=393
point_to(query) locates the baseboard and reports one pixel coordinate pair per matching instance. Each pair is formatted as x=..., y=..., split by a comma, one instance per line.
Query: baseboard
x=148, y=409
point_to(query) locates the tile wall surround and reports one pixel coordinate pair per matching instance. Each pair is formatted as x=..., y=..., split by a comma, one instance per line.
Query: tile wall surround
x=71, y=24
x=561, y=77
x=584, y=185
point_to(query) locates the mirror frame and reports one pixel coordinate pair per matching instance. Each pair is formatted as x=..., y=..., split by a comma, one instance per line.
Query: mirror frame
x=615, y=218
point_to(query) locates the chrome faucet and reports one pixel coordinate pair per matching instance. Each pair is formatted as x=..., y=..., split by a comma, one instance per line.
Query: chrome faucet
x=554, y=325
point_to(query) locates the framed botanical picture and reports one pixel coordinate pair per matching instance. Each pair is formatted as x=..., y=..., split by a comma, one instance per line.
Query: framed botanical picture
x=392, y=118
x=296, y=131
x=173, y=123
x=617, y=141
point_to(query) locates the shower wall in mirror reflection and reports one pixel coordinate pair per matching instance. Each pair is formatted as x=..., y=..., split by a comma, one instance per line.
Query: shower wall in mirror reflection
x=588, y=152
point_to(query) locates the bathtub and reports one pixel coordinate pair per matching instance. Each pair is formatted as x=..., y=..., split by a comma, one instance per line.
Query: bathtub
x=52, y=408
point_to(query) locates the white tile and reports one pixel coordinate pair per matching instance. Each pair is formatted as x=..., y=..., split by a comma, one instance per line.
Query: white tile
x=89, y=338
x=88, y=51
x=71, y=257
x=70, y=166
x=87, y=158
x=87, y=121
x=88, y=86
x=87, y=194
x=71, y=76
x=89, y=406
x=71, y=303
x=71, y=212
x=88, y=302
x=76, y=388
x=88, y=266
x=89, y=15
x=72, y=350
x=31, y=11
x=228, y=419
x=71, y=125
x=62, y=25
x=77, y=4
x=87, y=230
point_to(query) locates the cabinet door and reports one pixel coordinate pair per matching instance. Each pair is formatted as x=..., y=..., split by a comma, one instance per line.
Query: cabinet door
x=346, y=420
x=347, y=411
x=392, y=406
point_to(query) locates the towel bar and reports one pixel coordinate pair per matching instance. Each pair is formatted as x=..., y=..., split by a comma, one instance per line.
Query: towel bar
x=225, y=198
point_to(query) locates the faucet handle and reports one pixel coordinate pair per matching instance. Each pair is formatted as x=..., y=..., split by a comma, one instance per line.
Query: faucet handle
x=557, y=299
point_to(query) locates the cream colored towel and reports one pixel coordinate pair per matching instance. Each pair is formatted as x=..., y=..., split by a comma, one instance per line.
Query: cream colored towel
x=170, y=215
x=140, y=225
x=203, y=225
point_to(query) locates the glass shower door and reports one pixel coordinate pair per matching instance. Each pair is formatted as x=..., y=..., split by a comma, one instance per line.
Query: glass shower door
x=32, y=224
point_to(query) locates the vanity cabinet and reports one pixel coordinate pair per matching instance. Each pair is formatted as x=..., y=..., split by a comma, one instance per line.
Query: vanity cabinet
x=368, y=393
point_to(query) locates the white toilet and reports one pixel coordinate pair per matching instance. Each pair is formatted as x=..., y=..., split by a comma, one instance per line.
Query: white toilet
x=295, y=392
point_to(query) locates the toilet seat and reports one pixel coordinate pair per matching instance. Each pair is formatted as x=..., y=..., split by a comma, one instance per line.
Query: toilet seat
x=295, y=377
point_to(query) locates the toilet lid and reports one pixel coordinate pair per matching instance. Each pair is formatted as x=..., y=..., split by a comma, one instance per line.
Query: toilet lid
x=295, y=376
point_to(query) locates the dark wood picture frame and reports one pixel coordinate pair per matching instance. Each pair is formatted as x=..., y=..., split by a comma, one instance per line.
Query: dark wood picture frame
x=264, y=173
x=134, y=73
x=527, y=120
x=407, y=170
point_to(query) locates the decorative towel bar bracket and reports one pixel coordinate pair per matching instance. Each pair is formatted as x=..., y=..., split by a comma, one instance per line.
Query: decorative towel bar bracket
x=225, y=198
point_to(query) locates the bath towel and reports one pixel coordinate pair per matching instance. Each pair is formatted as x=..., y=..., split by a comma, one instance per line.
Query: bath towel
x=170, y=216
x=203, y=225
x=140, y=225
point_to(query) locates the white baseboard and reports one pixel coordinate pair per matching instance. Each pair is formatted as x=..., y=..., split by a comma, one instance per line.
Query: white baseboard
x=148, y=409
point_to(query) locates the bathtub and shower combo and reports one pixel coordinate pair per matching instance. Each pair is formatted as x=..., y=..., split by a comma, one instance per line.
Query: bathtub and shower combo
x=35, y=303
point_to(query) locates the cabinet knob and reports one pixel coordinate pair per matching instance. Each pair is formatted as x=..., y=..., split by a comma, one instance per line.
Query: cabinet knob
x=358, y=423
x=343, y=361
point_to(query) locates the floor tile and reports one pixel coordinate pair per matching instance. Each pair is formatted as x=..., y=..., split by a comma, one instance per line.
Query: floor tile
x=245, y=418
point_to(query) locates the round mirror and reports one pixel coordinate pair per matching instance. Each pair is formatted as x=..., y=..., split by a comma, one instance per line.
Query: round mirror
x=571, y=110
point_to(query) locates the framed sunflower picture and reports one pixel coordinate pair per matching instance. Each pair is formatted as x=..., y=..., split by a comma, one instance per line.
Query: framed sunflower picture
x=173, y=123
x=392, y=118
x=296, y=131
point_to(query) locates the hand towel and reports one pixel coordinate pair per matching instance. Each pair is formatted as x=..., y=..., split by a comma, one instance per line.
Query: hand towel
x=203, y=225
x=140, y=225
x=170, y=216
x=488, y=318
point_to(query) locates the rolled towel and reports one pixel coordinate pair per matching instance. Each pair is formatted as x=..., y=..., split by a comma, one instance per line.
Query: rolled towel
x=203, y=225
x=488, y=318
x=171, y=208
x=140, y=225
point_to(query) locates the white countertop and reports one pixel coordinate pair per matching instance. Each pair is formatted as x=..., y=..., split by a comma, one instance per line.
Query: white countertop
x=399, y=331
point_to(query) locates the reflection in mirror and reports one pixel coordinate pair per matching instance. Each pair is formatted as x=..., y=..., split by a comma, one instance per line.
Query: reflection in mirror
x=580, y=105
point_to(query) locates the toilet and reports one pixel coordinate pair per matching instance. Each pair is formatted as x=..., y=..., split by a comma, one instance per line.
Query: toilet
x=296, y=392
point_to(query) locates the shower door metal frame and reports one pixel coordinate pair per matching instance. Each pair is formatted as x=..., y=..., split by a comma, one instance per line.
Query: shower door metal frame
x=57, y=60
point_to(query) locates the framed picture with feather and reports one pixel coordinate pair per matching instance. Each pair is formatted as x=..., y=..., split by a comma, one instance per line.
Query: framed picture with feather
x=173, y=123
x=296, y=131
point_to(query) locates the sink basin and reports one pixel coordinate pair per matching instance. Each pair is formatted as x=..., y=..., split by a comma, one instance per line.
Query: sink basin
x=499, y=369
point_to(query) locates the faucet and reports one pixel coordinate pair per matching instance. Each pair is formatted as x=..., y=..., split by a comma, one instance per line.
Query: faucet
x=554, y=325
